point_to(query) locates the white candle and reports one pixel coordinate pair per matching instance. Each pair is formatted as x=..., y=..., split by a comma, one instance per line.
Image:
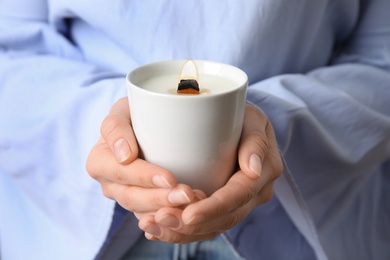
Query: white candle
x=194, y=136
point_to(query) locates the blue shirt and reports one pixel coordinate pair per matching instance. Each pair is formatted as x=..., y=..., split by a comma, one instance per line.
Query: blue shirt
x=320, y=70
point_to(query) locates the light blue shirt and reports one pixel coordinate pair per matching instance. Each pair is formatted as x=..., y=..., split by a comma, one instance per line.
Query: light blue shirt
x=319, y=69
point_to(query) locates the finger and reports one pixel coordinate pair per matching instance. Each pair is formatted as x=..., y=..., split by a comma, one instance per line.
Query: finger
x=199, y=194
x=171, y=217
x=102, y=166
x=169, y=227
x=273, y=161
x=237, y=192
x=117, y=132
x=254, y=143
x=143, y=214
x=153, y=231
x=143, y=200
x=265, y=194
x=170, y=236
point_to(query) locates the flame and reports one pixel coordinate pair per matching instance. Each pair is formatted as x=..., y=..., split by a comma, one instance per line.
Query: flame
x=189, y=71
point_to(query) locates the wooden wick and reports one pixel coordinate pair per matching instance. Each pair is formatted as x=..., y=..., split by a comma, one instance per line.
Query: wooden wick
x=188, y=79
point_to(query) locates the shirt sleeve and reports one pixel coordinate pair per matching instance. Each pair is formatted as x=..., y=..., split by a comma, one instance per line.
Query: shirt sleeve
x=49, y=102
x=333, y=126
x=34, y=9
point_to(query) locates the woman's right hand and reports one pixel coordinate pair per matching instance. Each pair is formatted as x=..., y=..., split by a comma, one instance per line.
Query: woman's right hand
x=135, y=184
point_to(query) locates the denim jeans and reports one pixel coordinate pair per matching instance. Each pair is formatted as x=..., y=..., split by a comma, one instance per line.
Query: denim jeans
x=215, y=249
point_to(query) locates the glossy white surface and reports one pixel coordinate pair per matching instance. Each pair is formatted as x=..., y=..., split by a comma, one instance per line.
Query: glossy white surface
x=193, y=136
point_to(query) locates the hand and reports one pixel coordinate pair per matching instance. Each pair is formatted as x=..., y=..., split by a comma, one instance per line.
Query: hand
x=135, y=184
x=260, y=164
x=154, y=196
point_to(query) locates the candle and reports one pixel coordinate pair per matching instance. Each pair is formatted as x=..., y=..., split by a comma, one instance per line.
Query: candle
x=194, y=136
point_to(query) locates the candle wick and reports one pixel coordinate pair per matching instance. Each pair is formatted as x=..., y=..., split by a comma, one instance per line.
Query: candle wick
x=188, y=78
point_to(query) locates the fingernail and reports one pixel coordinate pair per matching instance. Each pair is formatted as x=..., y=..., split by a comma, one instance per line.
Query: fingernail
x=195, y=219
x=153, y=230
x=177, y=196
x=122, y=150
x=199, y=194
x=255, y=164
x=149, y=236
x=169, y=221
x=161, y=182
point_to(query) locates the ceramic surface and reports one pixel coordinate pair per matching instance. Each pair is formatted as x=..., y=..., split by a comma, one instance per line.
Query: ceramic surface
x=193, y=136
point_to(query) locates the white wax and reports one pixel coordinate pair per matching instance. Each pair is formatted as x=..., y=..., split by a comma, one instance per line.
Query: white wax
x=208, y=84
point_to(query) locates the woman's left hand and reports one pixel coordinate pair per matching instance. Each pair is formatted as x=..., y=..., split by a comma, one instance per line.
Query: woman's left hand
x=260, y=165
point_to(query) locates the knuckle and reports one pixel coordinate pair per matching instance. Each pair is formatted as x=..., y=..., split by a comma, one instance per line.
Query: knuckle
x=179, y=239
x=196, y=229
x=127, y=201
x=277, y=165
x=279, y=170
x=109, y=126
x=232, y=221
x=260, y=139
x=175, y=238
x=248, y=192
x=158, y=201
x=118, y=175
x=266, y=195
x=245, y=193
x=106, y=192
x=92, y=167
x=222, y=208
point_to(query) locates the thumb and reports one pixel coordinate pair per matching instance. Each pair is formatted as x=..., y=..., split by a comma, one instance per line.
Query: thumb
x=116, y=130
x=254, y=143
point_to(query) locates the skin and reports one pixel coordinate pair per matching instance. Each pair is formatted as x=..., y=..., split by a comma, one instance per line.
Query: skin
x=173, y=212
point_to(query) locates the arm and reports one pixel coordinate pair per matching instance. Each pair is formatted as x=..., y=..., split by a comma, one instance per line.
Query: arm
x=332, y=125
x=49, y=102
